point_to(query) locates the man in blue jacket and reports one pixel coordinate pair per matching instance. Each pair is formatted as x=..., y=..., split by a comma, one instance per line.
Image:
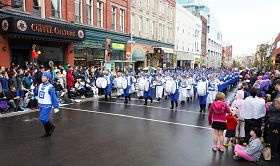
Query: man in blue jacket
x=47, y=101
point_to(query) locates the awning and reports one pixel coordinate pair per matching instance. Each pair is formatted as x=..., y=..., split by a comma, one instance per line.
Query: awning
x=137, y=55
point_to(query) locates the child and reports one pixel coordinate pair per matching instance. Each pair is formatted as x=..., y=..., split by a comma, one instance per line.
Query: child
x=231, y=127
x=253, y=151
x=238, y=103
x=217, y=118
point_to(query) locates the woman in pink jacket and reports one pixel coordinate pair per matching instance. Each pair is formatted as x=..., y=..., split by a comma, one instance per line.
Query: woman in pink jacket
x=238, y=104
x=217, y=118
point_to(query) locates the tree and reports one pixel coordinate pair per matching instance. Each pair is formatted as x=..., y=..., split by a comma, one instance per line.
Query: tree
x=235, y=64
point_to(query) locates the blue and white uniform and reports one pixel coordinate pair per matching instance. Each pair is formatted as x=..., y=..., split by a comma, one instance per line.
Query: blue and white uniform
x=148, y=94
x=47, y=100
x=159, y=87
x=183, y=90
x=108, y=88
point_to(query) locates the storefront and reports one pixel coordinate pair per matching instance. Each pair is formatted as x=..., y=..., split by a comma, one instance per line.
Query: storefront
x=168, y=57
x=89, y=53
x=138, y=57
x=53, y=39
x=117, y=55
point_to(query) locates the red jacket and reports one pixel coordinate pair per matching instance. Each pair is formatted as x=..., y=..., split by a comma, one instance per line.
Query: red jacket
x=70, y=78
x=231, y=122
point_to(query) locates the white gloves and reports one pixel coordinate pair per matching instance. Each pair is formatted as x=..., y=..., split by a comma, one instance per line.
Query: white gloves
x=56, y=110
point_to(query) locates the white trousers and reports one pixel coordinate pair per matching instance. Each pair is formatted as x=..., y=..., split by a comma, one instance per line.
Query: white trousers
x=182, y=94
x=119, y=92
x=159, y=91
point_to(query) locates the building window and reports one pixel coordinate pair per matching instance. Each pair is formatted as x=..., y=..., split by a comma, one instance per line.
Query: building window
x=147, y=28
x=147, y=5
x=162, y=33
x=183, y=46
x=89, y=12
x=122, y=20
x=152, y=29
x=159, y=8
x=153, y=5
x=100, y=14
x=160, y=29
x=18, y=4
x=133, y=2
x=140, y=22
x=55, y=7
x=114, y=18
x=132, y=24
x=140, y=4
x=36, y=12
x=78, y=11
x=171, y=14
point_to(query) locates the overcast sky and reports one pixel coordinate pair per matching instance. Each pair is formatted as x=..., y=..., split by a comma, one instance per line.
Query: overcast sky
x=247, y=23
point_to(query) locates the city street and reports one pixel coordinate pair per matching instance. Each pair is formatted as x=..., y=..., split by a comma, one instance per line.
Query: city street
x=113, y=133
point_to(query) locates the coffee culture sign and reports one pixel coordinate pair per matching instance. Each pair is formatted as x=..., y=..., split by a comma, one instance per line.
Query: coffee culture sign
x=41, y=28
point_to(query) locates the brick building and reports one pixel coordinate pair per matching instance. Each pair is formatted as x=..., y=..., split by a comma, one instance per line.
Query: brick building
x=105, y=21
x=275, y=56
x=227, y=55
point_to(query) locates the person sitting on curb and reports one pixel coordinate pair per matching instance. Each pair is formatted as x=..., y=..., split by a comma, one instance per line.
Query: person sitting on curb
x=253, y=151
x=14, y=99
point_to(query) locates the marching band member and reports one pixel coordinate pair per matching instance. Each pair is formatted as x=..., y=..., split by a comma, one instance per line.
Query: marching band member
x=148, y=94
x=190, y=87
x=183, y=89
x=166, y=78
x=212, y=90
x=127, y=89
x=159, y=86
x=174, y=96
x=140, y=93
x=47, y=101
x=202, y=91
x=120, y=92
x=108, y=88
x=133, y=81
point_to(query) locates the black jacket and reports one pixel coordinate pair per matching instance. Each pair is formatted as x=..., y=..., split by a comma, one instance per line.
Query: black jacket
x=274, y=115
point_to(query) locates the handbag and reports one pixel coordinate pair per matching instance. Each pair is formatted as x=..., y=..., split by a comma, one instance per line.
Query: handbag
x=267, y=153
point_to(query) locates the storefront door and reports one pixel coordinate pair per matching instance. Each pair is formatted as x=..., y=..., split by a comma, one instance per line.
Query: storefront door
x=19, y=56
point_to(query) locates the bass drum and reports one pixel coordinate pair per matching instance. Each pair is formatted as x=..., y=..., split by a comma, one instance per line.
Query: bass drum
x=124, y=83
x=147, y=85
x=119, y=82
x=101, y=82
x=201, y=88
x=169, y=88
x=142, y=83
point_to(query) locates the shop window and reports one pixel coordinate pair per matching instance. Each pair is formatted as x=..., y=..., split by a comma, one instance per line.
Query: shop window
x=114, y=18
x=118, y=55
x=122, y=20
x=78, y=11
x=95, y=54
x=54, y=54
x=18, y=4
x=100, y=14
x=56, y=8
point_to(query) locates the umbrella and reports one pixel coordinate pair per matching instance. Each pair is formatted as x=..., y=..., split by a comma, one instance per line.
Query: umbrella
x=149, y=68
